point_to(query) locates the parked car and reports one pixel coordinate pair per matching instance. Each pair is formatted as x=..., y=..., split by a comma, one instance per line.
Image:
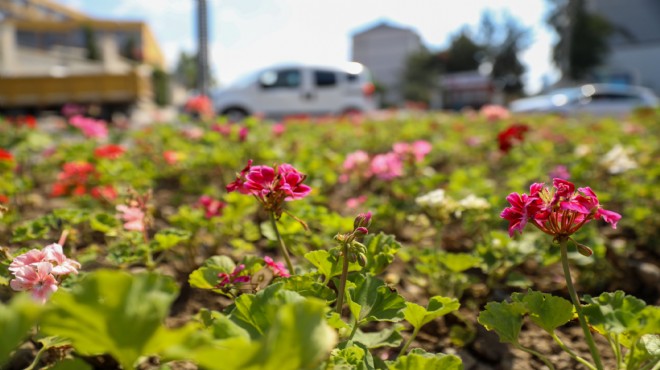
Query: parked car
x=593, y=99
x=297, y=89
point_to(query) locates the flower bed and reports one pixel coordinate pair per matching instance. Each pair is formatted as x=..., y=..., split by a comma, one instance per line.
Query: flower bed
x=403, y=241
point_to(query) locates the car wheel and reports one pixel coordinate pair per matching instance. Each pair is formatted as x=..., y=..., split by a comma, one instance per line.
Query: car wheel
x=235, y=114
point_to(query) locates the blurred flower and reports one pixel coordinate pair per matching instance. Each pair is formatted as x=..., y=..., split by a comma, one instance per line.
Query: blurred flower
x=6, y=156
x=353, y=203
x=74, y=178
x=110, y=151
x=107, y=192
x=223, y=129
x=36, y=270
x=278, y=129
x=618, y=160
x=132, y=216
x=200, y=104
x=70, y=110
x=560, y=172
x=243, y=133
x=560, y=211
x=193, y=133
x=582, y=150
x=386, y=166
x=4, y=200
x=172, y=157
x=418, y=149
x=473, y=202
x=227, y=280
x=277, y=268
x=356, y=160
x=90, y=127
x=494, y=112
x=511, y=135
x=212, y=207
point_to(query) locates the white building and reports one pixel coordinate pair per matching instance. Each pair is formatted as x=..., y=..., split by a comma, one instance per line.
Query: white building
x=384, y=49
x=635, y=44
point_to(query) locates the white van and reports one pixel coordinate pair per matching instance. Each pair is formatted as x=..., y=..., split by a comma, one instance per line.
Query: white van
x=296, y=89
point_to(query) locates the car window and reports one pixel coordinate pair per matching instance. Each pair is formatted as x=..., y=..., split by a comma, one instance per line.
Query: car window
x=614, y=96
x=283, y=78
x=325, y=78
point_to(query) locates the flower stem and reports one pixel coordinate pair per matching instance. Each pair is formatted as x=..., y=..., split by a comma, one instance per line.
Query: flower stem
x=281, y=244
x=571, y=353
x=538, y=355
x=355, y=328
x=578, y=306
x=409, y=341
x=342, y=278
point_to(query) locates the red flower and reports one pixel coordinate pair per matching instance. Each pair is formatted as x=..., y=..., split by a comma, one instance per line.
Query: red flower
x=212, y=207
x=511, y=135
x=110, y=151
x=106, y=192
x=6, y=156
x=4, y=199
x=74, y=179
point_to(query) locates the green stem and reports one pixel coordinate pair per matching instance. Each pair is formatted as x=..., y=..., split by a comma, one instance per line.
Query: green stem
x=571, y=353
x=355, y=328
x=617, y=350
x=537, y=354
x=283, y=250
x=409, y=341
x=342, y=278
x=37, y=358
x=578, y=306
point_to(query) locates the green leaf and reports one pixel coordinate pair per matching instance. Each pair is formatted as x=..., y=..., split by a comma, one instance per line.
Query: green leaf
x=352, y=355
x=504, y=318
x=168, y=238
x=220, y=326
x=370, y=299
x=307, y=286
x=111, y=312
x=622, y=314
x=206, y=277
x=71, y=216
x=328, y=265
x=389, y=337
x=255, y=312
x=16, y=319
x=420, y=360
x=419, y=316
x=459, y=262
x=545, y=310
x=105, y=223
x=381, y=250
x=298, y=338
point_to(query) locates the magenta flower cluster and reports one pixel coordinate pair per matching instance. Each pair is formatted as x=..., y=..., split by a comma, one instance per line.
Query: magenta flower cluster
x=385, y=166
x=559, y=211
x=272, y=186
x=90, y=127
x=38, y=271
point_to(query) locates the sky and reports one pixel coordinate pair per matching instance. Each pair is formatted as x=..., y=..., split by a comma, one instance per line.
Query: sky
x=247, y=35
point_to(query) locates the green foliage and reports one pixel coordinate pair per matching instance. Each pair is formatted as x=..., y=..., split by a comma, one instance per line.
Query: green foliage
x=369, y=299
x=438, y=306
x=112, y=312
x=545, y=310
x=328, y=265
x=420, y=360
x=381, y=249
x=504, y=318
x=168, y=238
x=206, y=277
x=16, y=319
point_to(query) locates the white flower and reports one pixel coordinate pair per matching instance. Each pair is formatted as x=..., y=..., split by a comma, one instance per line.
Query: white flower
x=432, y=199
x=474, y=202
x=618, y=160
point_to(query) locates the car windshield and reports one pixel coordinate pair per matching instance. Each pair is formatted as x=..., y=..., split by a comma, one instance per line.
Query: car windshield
x=245, y=80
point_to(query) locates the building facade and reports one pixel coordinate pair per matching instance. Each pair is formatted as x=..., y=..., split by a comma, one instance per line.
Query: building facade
x=635, y=42
x=384, y=49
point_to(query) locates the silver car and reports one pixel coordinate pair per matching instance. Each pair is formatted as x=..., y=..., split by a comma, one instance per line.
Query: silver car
x=590, y=99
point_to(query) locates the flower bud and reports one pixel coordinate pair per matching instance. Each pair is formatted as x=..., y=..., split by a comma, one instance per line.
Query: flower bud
x=584, y=250
x=362, y=220
x=362, y=259
x=361, y=230
x=352, y=257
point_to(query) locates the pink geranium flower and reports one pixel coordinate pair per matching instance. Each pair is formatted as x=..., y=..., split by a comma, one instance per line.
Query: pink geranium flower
x=271, y=186
x=172, y=157
x=228, y=280
x=212, y=207
x=417, y=150
x=90, y=127
x=386, y=166
x=37, y=270
x=494, y=112
x=277, y=268
x=560, y=211
x=133, y=217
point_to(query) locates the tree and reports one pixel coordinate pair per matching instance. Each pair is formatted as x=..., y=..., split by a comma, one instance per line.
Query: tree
x=463, y=53
x=582, y=44
x=421, y=71
x=507, y=69
x=185, y=72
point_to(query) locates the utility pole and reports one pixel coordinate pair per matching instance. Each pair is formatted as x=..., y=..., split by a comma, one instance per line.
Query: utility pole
x=202, y=49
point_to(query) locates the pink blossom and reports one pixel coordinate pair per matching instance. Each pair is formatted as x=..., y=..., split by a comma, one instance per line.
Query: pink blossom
x=277, y=267
x=494, y=112
x=243, y=133
x=132, y=216
x=172, y=157
x=560, y=172
x=272, y=186
x=37, y=278
x=278, y=129
x=356, y=202
x=418, y=150
x=386, y=166
x=212, y=207
x=62, y=265
x=232, y=278
x=356, y=160
x=560, y=211
x=90, y=127
x=193, y=133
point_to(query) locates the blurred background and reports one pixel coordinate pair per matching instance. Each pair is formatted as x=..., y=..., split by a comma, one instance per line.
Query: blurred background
x=141, y=56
